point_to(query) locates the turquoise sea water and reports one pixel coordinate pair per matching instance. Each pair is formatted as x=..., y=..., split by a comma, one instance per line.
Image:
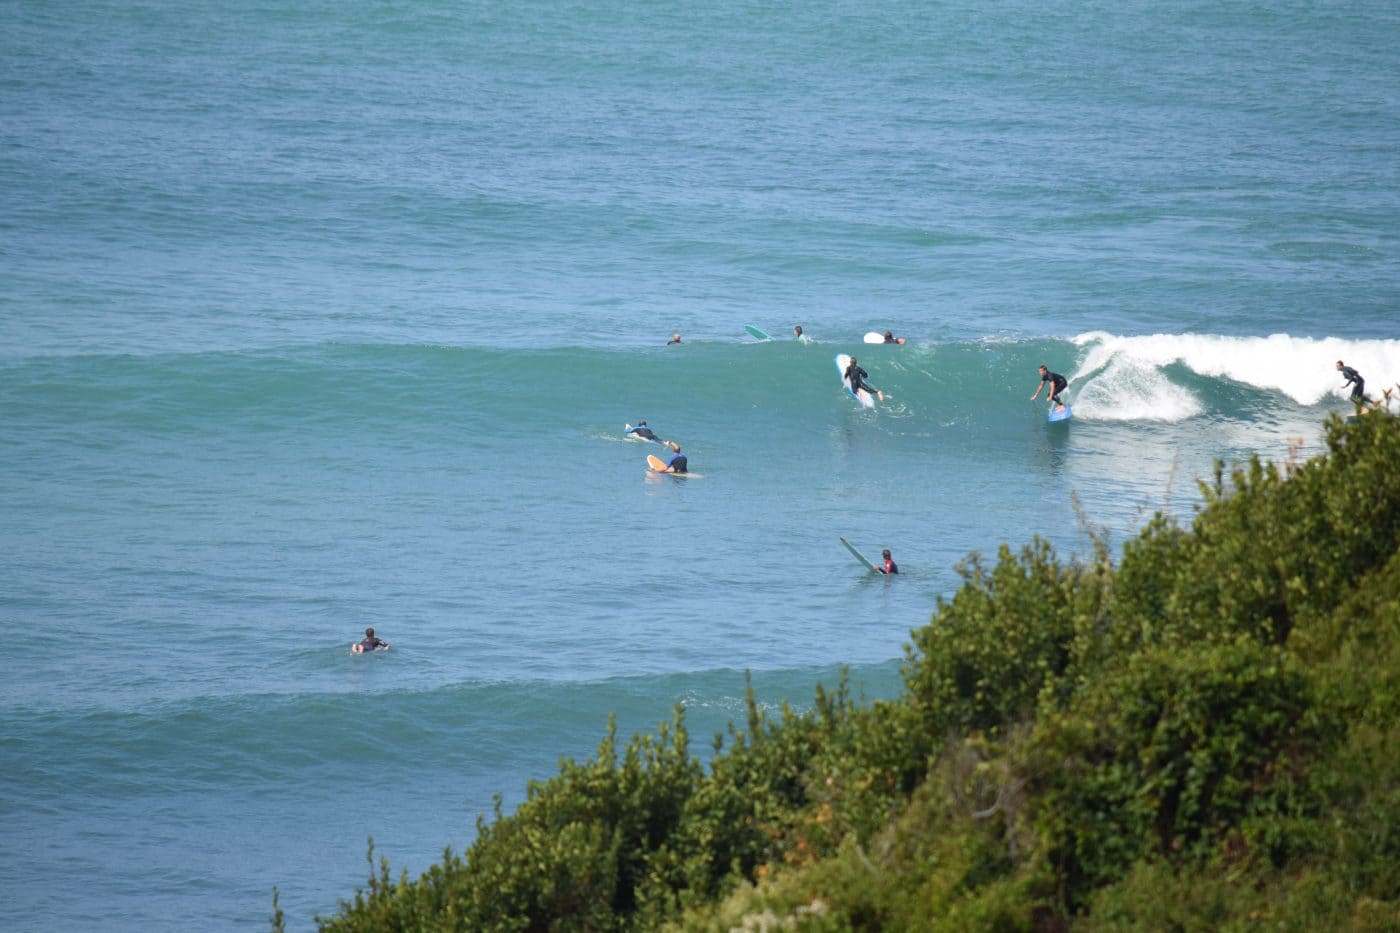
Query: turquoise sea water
x=327, y=316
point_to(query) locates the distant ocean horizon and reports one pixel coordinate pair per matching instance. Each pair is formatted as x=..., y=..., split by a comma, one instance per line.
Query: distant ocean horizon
x=329, y=317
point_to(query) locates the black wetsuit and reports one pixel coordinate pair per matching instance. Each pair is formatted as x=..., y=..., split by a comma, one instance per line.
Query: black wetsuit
x=642, y=430
x=1353, y=378
x=855, y=375
x=373, y=642
x=1057, y=385
x=678, y=463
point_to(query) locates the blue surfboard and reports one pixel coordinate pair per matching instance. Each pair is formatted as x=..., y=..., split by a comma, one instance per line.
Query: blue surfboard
x=1059, y=414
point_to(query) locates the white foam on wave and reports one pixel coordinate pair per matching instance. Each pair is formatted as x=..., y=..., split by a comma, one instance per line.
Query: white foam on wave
x=1121, y=378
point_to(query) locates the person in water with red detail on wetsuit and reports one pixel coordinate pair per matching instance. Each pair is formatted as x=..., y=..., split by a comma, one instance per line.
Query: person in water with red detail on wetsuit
x=890, y=566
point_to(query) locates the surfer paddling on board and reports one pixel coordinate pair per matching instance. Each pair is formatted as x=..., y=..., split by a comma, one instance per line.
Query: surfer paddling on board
x=677, y=463
x=855, y=377
x=641, y=430
x=889, y=566
x=371, y=642
x=1353, y=379
x=1057, y=385
x=891, y=338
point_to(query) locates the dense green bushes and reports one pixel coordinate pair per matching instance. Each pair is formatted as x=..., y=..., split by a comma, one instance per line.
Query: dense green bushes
x=1174, y=756
x=1204, y=736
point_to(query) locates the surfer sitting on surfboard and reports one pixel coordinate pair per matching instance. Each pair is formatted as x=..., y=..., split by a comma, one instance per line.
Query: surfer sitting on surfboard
x=1057, y=385
x=641, y=430
x=677, y=462
x=371, y=642
x=855, y=377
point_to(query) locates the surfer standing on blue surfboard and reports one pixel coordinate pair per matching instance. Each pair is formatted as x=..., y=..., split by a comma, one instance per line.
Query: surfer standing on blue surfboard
x=1057, y=385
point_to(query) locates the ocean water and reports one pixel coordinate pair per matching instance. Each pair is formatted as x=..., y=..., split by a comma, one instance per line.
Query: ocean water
x=322, y=316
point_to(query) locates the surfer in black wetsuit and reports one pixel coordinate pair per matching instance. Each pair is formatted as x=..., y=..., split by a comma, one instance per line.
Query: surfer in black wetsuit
x=891, y=338
x=370, y=642
x=641, y=430
x=678, y=462
x=1353, y=379
x=1057, y=385
x=856, y=376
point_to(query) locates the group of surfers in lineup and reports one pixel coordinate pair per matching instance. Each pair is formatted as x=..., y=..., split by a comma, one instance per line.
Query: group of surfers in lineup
x=856, y=376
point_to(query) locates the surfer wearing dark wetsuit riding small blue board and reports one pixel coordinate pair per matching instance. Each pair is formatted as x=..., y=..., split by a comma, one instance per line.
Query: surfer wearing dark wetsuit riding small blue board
x=1057, y=385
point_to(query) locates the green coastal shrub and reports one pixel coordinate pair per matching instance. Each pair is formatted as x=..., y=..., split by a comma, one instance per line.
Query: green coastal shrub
x=1005, y=636
x=1273, y=548
x=1169, y=758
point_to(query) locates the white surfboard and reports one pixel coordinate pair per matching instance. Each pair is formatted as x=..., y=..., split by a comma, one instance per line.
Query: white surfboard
x=877, y=337
x=865, y=398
